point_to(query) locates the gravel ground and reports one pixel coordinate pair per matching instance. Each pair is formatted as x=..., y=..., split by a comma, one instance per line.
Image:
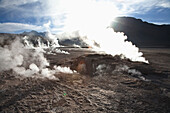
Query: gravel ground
x=90, y=92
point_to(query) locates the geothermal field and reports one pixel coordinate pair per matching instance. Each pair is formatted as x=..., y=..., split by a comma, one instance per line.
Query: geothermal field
x=84, y=56
x=46, y=75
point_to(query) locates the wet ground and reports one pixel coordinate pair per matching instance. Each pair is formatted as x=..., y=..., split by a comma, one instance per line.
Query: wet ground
x=100, y=90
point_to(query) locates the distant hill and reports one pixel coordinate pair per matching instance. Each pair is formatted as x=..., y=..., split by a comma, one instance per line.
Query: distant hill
x=35, y=33
x=141, y=33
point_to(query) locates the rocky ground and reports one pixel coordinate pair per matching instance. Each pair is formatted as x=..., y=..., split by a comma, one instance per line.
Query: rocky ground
x=102, y=90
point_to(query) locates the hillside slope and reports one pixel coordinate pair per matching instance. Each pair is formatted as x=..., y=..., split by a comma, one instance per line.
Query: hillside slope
x=141, y=33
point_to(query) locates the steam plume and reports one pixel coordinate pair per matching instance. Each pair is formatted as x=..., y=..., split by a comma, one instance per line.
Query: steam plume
x=27, y=62
x=92, y=19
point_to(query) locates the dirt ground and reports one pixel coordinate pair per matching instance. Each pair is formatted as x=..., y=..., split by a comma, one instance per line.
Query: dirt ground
x=90, y=91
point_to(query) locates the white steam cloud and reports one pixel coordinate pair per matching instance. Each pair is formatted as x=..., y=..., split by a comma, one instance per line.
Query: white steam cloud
x=51, y=43
x=114, y=43
x=132, y=72
x=125, y=68
x=103, y=69
x=92, y=19
x=27, y=62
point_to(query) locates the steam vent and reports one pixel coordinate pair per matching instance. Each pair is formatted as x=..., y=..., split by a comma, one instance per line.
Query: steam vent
x=89, y=64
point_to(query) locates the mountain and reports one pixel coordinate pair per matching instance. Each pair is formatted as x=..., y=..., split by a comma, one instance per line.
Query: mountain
x=141, y=33
x=35, y=33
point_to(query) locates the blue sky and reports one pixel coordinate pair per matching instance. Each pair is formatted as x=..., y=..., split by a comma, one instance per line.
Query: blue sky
x=52, y=15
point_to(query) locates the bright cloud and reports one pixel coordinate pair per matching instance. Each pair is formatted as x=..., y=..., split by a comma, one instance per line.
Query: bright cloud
x=13, y=27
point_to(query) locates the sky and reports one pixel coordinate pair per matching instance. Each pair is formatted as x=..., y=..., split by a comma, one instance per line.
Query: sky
x=63, y=15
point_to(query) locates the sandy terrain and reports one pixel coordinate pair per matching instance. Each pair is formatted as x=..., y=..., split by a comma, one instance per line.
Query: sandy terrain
x=92, y=90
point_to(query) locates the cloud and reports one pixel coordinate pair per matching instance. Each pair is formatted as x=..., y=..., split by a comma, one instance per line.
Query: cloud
x=140, y=6
x=162, y=23
x=57, y=11
x=60, y=10
x=15, y=3
x=56, y=8
x=165, y=4
x=14, y=27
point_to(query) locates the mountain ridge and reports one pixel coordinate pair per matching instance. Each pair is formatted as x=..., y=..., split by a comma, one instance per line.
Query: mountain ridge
x=141, y=33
